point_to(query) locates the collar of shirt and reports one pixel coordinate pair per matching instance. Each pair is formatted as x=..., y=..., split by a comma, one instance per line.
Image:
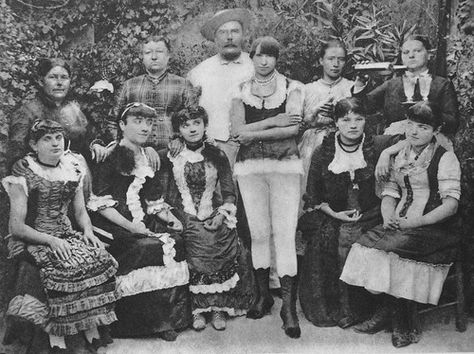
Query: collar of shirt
x=156, y=80
x=410, y=75
x=331, y=84
x=239, y=60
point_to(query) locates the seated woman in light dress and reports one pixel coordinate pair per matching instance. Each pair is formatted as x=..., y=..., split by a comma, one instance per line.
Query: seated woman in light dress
x=408, y=257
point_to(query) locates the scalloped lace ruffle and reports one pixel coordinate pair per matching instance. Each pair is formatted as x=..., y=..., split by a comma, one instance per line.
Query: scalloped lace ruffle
x=216, y=287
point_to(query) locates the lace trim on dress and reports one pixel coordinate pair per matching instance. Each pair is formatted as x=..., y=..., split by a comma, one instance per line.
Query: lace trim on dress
x=229, y=210
x=273, y=101
x=251, y=166
x=69, y=169
x=156, y=206
x=141, y=171
x=205, y=204
x=387, y=272
x=97, y=203
x=153, y=278
x=230, y=311
x=347, y=162
x=216, y=287
x=28, y=308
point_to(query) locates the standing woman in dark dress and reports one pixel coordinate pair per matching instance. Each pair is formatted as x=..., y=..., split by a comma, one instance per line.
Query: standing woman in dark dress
x=341, y=204
x=152, y=276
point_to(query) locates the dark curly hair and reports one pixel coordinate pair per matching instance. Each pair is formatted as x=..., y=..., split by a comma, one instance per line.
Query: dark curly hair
x=349, y=104
x=425, y=112
x=188, y=113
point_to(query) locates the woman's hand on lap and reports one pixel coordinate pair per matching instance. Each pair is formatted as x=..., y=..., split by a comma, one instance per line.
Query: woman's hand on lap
x=391, y=223
x=92, y=240
x=352, y=215
x=61, y=248
x=214, y=223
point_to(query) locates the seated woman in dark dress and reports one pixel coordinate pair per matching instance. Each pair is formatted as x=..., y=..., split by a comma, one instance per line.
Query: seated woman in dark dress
x=152, y=275
x=408, y=257
x=221, y=278
x=340, y=205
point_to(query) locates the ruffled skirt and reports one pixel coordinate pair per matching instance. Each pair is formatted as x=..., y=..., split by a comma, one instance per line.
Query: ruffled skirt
x=411, y=264
x=221, y=277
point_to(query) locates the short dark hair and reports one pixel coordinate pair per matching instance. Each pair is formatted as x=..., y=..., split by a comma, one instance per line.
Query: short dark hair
x=420, y=38
x=41, y=127
x=349, y=104
x=156, y=38
x=46, y=64
x=425, y=112
x=267, y=44
x=333, y=43
x=188, y=113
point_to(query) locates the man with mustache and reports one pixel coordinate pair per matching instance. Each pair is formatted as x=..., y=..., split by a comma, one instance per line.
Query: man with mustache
x=220, y=74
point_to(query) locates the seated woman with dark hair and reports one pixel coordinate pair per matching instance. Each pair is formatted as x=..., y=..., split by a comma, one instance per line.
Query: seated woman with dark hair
x=76, y=291
x=152, y=276
x=221, y=281
x=408, y=257
x=340, y=205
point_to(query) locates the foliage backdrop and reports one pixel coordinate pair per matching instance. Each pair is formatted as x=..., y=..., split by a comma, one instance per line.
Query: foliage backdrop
x=100, y=39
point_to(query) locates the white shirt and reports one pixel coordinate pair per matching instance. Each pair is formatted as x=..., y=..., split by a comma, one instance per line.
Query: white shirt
x=219, y=79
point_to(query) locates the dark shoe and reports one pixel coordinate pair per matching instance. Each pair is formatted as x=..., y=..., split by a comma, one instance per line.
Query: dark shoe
x=288, y=308
x=378, y=322
x=348, y=321
x=400, y=339
x=264, y=302
x=169, y=336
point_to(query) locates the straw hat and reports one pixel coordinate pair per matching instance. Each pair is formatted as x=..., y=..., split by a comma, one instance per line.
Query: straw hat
x=209, y=29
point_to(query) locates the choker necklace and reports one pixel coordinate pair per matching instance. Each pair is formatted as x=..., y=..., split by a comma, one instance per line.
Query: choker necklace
x=342, y=145
x=265, y=82
x=46, y=164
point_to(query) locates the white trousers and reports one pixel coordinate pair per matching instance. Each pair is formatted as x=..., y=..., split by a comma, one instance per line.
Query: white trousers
x=271, y=203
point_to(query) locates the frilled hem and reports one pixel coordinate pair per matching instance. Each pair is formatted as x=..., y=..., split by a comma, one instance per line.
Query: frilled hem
x=29, y=308
x=76, y=286
x=285, y=166
x=81, y=305
x=69, y=329
x=230, y=311
x=216, y=287
x=153, y=278
x=97, y=203
x=379, y=271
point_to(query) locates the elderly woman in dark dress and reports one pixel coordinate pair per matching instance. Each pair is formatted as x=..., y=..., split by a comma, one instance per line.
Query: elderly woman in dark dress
x=408, y=257
x=340, y=205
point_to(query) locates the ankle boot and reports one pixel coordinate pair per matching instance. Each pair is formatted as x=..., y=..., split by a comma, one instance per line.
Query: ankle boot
x=400, y=330
x=379, y=320
x=264, y=302
x=288, y=308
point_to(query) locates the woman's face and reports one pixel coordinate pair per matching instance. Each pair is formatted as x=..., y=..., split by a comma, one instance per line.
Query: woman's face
x=56, y=83
x=414, y=55
x=264, y=63
x=136, y=128
x=351, y=126
x=333, y=62
x=49, y=146
x=419, y=134
x=192, y=130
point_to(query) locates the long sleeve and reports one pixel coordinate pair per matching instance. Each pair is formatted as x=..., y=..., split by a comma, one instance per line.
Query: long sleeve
x=375, y=99
x=449, y=106
x=315, y=187
x=20, y=122
x=225, y=179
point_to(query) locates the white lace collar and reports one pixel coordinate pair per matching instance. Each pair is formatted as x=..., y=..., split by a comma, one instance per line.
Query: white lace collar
x=347, y=162
x=270, y=102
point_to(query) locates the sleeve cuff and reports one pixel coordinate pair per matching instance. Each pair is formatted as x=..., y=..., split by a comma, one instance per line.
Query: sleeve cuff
x=97, y=203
